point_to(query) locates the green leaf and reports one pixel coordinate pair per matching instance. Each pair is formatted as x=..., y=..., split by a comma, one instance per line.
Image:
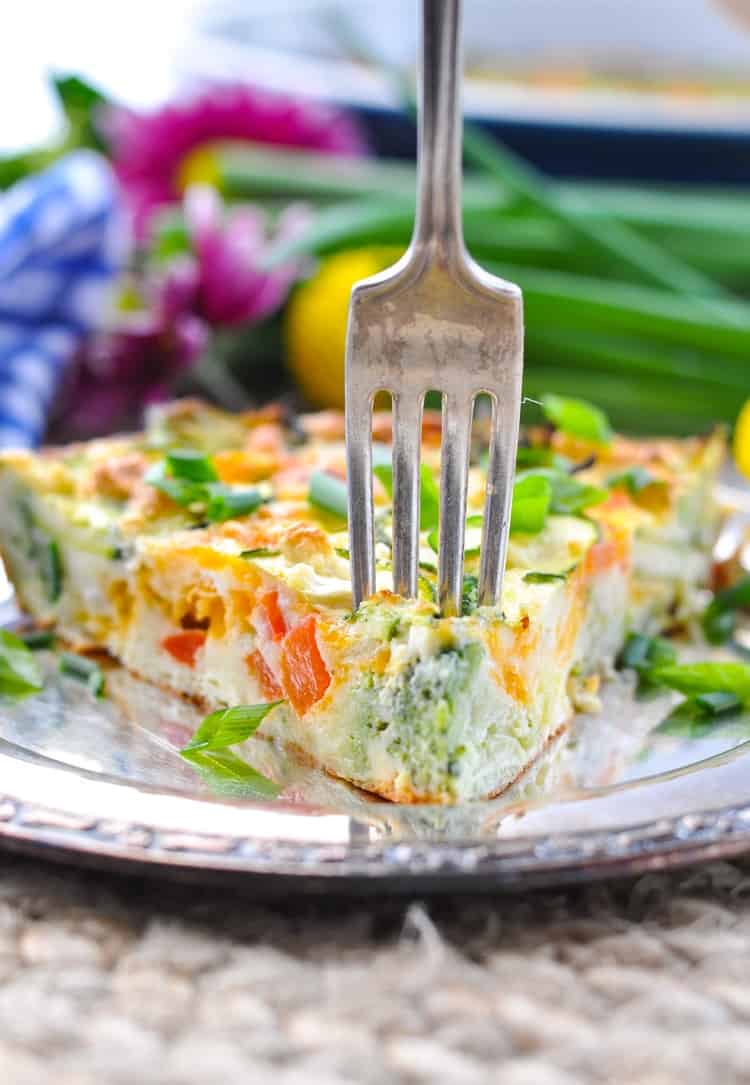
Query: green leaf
x=228, y=726
x=84, y=670
x=227, y=772
x=188, y=464
x=80, y=102
x=634, y=480
x=577, y=418
x=719, y=618
x=19, y=673
x=531, y=500
x=543, y=578
x=699, y=678
x=75, y=95
x=429, y=493
x=260, y=552
x=329, y=494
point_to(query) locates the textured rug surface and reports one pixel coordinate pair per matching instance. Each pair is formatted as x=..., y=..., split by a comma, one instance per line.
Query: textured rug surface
x=104, y=980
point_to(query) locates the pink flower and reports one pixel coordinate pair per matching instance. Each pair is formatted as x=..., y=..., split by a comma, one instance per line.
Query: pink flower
x=228, y=286
x=117, y=373
x=148, y=150
x=216, y=283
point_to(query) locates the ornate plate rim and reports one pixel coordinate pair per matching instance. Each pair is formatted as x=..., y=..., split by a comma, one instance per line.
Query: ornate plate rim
x=71, y=831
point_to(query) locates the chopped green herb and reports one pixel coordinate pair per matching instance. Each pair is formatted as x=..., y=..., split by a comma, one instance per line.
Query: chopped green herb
x=720, y=617
x=260, y=552
x=226, y=772
x=342, y=552
x=634, y=480
x=578, y=418
x=329, y=494
x=700, y=678
x=85, y=670
x=531, y=500
x=229, y=726
x=543, y=578
x=429, y=494
x=19, y=673
x=191, y=465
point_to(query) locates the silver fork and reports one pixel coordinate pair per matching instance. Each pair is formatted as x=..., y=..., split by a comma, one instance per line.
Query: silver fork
x=434, y=321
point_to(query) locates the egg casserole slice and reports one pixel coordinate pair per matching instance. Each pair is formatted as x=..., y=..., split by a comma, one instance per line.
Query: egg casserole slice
x=209, y=555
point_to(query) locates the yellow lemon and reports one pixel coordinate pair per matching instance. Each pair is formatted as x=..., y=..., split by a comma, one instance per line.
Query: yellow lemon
x=742, y=440
x=315, y=322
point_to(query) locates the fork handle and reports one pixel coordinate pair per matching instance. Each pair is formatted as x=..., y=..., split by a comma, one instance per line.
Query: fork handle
x=438, y=217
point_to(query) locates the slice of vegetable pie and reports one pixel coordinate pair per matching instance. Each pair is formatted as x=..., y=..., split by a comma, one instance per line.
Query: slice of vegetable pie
x=209, y=555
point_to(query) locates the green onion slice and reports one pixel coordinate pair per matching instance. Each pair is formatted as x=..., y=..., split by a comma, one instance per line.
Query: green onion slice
x=429, y=493
x=719, y=618
x=194, y=466
x=329, y=494
x=531, y=501
x=85, y=670
x=38, y=639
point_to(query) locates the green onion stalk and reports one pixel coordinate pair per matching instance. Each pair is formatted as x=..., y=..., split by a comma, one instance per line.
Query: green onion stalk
x=634, y=296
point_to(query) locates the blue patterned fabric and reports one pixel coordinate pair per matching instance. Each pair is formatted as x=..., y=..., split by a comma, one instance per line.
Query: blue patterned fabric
x=62, y=242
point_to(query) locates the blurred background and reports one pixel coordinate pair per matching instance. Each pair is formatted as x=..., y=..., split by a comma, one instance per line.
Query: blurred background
x=255, y=158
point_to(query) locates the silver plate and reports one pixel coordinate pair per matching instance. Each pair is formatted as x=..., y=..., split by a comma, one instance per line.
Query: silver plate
x=102, y=782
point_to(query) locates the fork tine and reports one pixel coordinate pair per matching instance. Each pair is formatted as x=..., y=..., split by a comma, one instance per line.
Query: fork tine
x=359, y=478
x=457, y=417
x=407, y=447
x=503, y=442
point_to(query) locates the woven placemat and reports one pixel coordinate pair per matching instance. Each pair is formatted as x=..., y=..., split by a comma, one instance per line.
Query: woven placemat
x=106, y=980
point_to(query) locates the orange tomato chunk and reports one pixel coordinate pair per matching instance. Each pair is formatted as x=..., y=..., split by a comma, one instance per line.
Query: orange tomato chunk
x=304, y=675
x=269, y=686
x=270, y=604
x=184, y=646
